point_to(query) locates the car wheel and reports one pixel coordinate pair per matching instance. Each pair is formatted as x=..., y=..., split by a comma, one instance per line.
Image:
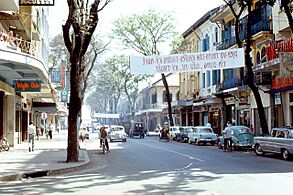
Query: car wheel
x=220, y=145
x=285, y=154
x=177, y=139
x=197, y=142
x=213, y=143
x=124, y=140
x=189, y=141
x=258, y=150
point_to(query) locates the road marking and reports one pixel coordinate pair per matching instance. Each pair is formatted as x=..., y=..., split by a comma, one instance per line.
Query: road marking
x=186, y=167
x=175, y=152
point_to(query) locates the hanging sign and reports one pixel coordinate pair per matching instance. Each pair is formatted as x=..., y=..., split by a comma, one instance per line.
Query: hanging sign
x=27, y=85
x=190, y=62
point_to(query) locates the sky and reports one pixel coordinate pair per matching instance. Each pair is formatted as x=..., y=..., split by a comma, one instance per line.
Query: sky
x=186, y=12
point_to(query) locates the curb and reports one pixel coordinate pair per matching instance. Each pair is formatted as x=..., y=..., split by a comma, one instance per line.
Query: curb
x=41, y=173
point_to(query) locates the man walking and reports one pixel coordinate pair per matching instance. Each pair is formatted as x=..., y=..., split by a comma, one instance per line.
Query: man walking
x=31, y=136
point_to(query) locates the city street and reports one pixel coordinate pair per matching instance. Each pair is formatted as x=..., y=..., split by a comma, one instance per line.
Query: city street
x=147, y=166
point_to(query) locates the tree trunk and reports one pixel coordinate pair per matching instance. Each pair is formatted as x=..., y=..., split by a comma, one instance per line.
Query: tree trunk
x=250, y=75
x=168, y=99
x=288, y=13
x=74, y=109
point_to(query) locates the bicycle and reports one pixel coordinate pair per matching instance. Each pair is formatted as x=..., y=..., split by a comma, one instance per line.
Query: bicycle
x=103, y=145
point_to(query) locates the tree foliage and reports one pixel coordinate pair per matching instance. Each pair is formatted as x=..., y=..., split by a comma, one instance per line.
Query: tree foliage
x=147, y=33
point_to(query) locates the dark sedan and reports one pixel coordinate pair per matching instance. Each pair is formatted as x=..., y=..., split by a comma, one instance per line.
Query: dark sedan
x=183, y=135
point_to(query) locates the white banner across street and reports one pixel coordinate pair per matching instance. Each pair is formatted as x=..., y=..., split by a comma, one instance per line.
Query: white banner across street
x=223, y=59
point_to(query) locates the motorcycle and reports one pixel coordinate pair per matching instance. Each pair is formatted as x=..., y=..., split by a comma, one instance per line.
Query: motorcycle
x=164, y=136
x=4, y=146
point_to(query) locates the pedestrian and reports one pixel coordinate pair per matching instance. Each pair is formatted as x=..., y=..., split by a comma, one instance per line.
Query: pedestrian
x=31, y=136
x=38, y=132
x=50, y=130
x=208, y=125
x=227, y=138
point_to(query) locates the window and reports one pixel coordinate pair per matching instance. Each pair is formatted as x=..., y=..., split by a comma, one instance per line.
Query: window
x=263, y=55
x=216, y=35
x=203, y=80
x=258, y=58
x=165, y=96
x=291, y=97
x=208, y=78
x=154, y=98
x=216, y=77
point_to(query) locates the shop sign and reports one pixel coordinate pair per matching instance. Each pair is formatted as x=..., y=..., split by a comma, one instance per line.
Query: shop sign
x=281, y=83
x=36, y=2
x=214, y=109
x=27, y=85
x=64, y=96
x=278, y=98
x=229, y=100
x=56, y=76
x=273, y=51
x=286, y=63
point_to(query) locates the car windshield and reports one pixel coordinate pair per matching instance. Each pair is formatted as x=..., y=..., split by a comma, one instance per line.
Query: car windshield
x=117, y=129
x=206, y=130
x=187, y=130
x=244, y=130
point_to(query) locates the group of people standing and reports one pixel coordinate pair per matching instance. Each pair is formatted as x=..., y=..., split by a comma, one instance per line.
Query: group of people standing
x=33, y=131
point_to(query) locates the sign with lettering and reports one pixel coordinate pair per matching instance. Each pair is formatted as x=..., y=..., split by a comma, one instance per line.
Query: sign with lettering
x=64, y=96
x=190, y=62
x=55, y=76
x=27, y=85
x=273, y=51
x=36, y=2
x=282, y=83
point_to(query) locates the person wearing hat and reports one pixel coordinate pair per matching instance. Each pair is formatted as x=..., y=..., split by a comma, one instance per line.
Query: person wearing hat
x=103, y=135
x=31, y=136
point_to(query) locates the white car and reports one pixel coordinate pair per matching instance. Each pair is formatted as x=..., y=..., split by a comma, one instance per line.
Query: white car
x=172, y=132
x=202, y=134
x=117, y=133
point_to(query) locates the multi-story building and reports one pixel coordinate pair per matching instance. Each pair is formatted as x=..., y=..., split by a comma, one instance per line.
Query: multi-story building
x=25, y=90
x=152, y=102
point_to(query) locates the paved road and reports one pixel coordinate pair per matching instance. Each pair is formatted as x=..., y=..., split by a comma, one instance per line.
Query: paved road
x=147, y=166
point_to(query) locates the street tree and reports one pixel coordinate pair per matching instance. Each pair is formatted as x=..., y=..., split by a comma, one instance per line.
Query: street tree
x=83, y=20
x=285, y=5
x=119, y=66
x=58, y=52
x=147, y=33
x=249, y=77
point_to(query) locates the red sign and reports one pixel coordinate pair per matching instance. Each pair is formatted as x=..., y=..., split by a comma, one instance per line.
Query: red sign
x=279, y=83
x=272, y=52
x=27, y=86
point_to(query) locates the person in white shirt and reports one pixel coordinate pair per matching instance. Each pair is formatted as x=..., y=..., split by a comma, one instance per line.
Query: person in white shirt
x=31, y=136
x=227, y=137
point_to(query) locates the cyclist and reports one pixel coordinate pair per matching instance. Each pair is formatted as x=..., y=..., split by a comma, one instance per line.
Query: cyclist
x=103, y=135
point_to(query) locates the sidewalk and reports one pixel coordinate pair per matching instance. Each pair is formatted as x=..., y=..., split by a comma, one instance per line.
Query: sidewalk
x=48, y=157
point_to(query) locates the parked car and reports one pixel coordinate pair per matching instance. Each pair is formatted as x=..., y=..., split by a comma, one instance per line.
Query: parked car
x=117, y=133
x=183, y=135
x=172, y=131
x=242, y=137
x=202, y=134
x=280, y=141
x=137, y=129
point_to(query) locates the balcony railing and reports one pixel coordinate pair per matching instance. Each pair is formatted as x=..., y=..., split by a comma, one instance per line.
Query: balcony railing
x=230, y=83
x=227, y=43
x=24, y=46
x=256, y=28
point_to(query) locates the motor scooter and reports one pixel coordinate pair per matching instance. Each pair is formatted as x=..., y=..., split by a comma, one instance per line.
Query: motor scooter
x=164, y=136
x=4, y=145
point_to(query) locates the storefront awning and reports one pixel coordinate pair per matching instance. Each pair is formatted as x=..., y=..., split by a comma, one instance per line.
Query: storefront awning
x=47, y=107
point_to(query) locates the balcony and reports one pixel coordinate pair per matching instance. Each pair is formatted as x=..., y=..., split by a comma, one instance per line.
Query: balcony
x=227, y=43
x=230, y=83
x=17, y=43
x=256, y=28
